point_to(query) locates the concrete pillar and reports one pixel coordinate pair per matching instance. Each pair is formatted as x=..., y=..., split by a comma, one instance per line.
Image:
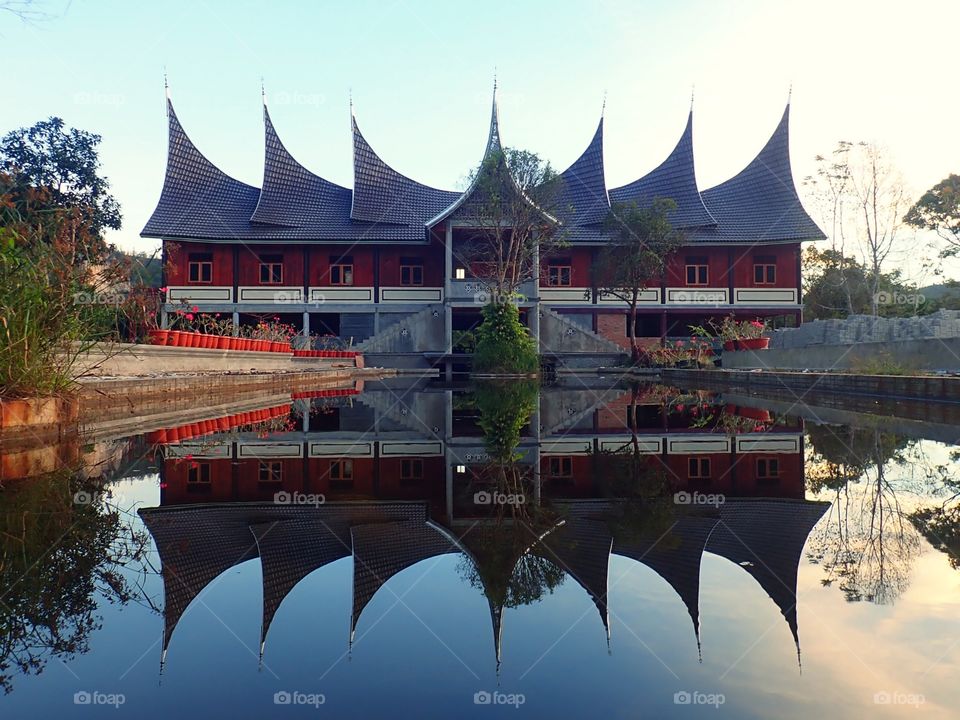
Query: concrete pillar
x=447, y=278
x=534, y=321
x=306, y=328
x=164, y=320
x=236, y=323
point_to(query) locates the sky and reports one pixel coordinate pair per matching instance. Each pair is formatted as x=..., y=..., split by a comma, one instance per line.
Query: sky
x=421, y=75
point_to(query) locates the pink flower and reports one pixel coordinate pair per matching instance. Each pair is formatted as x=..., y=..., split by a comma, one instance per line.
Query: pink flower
x=189, y=316
x=757, y=323
x=163, y=289
x=679, y=343
x=680, y=408
x=195, y=308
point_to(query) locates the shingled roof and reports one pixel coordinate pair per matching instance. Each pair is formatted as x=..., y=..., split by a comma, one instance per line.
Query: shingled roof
x=382, y=195
x=674, y=178
x=199, y=201
x=761, y=201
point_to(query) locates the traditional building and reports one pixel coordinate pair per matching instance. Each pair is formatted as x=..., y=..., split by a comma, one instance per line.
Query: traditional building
x=379, y=263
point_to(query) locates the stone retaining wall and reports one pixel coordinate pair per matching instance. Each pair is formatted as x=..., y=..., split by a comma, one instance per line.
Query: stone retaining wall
x=930, y=354
x=869, y=329
x=794, y=385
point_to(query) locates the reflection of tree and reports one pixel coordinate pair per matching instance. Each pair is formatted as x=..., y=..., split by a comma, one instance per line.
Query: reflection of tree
x=941, y=525
x=505, y=407
x=61, y=550
x=502, y=566
x=866, y=544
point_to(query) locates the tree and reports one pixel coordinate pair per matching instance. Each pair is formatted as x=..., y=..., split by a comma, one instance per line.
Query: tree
x=939, y=210
x=513, y=206
x=861, y=196
x=642, y=243
x=65, y=163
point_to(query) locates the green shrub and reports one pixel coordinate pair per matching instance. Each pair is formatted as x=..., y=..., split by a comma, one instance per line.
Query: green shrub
x=39, y=321
x=503, y=343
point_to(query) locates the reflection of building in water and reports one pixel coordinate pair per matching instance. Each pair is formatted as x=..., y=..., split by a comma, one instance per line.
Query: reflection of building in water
x=197, y=543
x=397, y=470
x=413, y=442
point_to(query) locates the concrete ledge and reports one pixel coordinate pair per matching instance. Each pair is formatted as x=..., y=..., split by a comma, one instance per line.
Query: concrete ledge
x=123, y=360
x=930, y=354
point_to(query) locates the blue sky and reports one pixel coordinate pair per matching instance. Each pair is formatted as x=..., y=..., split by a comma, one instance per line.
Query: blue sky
x=421, y=76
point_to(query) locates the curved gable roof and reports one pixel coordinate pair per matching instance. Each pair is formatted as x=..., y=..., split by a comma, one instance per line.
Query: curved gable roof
x=382, y=195
x=674, y=178
x=198, y=199
x=583, y=196
x=293, y=196
x=761, y=201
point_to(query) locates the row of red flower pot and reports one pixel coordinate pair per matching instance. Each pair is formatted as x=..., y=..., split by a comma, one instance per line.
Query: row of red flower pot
x=761, y=343
x=180, y=338
x=332, y=392
x=224, y=424
x=326, y=353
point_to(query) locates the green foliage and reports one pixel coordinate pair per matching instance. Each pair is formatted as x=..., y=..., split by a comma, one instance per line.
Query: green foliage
x=505, y=408
x=503, y=343
x=939, y=210
x=642, y=242
x=38, y=321
x=836, y=286
x=63, y=161
x=882, y=364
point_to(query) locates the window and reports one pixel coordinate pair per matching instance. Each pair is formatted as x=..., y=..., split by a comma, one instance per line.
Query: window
x=559, y=467
x=271, y=472
x=764, y=270
x=697, y=271
x=559, y=273
x=768, y=468
x=341, y=469
x=411, y=271
x=698, y=468
x=200, y=267
x=271, y=269
x=460, y=273
x=411, y=469
x=341, y=270
x=198, y=473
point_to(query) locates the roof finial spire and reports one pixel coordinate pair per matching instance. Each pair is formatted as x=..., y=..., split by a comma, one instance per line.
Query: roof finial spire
x=494, y=79
x=263, y=91
x=693, y=88
x=166, y=83
x=350, y=99
x=790, y=93
x=603, y=107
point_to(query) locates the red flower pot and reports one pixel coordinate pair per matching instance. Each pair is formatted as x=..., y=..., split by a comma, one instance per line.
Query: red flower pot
x=761, y=343
x=156, y=437
x=195, y=340
x=730, y=345
x=158, y=337
x=173, y=435
x=173, y=337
